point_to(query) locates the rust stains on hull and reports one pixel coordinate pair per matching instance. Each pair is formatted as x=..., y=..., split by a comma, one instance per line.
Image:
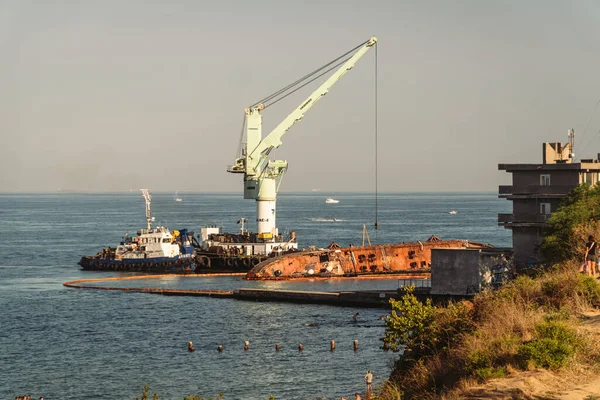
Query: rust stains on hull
x=409, y=259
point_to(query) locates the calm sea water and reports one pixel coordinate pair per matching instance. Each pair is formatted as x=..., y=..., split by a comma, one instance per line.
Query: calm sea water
x=78, y=344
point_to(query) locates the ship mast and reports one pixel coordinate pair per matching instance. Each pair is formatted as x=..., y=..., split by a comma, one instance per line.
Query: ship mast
x=148, y=199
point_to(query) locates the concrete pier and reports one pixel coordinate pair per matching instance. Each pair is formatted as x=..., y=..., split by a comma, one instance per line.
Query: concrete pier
x=362, y=298
x=357, y=298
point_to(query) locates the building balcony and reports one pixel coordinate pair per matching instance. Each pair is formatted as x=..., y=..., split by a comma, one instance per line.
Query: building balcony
x=534, y=190
x=542, y=217
x=520, y=220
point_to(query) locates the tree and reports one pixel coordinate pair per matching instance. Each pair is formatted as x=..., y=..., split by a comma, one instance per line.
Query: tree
x=422, y=329
x=570, y=225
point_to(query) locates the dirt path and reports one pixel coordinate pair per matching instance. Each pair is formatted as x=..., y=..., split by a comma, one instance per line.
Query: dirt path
x=571, y=384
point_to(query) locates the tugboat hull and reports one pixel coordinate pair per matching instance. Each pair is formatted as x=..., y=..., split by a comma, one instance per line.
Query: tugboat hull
x=159, y=265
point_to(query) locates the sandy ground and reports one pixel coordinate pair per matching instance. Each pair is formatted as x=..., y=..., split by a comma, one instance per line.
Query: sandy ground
x=571, y=384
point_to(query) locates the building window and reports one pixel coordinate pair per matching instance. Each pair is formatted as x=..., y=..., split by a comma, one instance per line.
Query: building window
x=545, y=180
x=545, y=208
x=588, y=177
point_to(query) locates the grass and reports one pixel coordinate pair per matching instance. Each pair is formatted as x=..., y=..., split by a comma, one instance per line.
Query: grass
x=530, y=323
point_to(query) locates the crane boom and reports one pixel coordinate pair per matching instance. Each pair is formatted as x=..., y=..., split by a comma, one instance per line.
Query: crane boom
x=262, y=176
x=273, y=139
x=258, y=149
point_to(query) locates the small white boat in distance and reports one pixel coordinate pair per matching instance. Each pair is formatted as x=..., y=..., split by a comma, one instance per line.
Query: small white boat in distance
x=452, y=212
x=331, y=201
x=177, y=198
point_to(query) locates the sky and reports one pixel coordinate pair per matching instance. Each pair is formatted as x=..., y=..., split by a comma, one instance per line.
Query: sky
x=110, y=95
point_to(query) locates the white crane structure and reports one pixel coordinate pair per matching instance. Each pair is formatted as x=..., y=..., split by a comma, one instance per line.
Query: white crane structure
x=262, y=177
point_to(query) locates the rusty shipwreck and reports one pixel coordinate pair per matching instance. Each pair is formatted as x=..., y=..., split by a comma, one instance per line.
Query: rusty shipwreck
x=408, y=259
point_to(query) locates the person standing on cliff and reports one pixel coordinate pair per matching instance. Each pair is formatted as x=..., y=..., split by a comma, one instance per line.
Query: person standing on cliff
x=591, y=255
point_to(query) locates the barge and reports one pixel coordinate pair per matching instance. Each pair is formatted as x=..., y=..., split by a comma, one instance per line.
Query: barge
x=239, y=252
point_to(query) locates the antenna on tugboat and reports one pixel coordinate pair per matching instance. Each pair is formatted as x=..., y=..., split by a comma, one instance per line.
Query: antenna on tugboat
x=148, y=199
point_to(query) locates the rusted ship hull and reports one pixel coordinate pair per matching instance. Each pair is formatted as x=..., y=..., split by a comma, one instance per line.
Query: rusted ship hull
x=409, y=259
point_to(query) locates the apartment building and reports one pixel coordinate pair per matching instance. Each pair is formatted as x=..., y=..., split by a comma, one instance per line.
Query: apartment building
x=536, y=191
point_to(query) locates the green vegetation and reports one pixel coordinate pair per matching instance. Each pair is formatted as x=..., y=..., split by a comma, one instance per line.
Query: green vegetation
x=554, y=344
x=531, y=322
x=570, y=225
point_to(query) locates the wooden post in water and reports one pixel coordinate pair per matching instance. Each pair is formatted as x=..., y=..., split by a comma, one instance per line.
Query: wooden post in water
x=355, y=345
x=246, y=345
x=277, y=347
x=220, y=348
x=332, y=345
x=300, y=348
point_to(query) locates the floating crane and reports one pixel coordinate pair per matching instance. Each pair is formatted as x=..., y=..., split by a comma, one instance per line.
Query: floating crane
x=262, y=177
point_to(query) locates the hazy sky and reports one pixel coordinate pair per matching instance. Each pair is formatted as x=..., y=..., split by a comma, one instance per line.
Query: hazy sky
x=112, y=95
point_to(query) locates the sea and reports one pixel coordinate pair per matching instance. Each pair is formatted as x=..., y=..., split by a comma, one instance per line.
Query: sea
x=63, y=343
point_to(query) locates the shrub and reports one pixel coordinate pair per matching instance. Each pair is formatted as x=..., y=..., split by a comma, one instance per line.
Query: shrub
x=408, y=327
x=421, y=329
x=589, y=288
x=544, y=353
x=555, y=343
x=570, y=225
x=483, y=374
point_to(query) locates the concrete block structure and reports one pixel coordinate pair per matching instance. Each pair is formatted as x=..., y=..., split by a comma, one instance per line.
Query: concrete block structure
x=463, y=272
x=536, y=191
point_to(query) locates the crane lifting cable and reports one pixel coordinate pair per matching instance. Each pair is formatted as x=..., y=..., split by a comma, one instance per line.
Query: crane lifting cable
x=376, y=149
x=308, y=82
x=586, y=129
x=307, y=76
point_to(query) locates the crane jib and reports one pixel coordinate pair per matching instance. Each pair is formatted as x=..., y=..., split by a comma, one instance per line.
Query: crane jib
x=262, y=176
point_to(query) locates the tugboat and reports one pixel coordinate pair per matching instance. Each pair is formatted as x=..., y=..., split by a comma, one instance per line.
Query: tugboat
x=156, y=250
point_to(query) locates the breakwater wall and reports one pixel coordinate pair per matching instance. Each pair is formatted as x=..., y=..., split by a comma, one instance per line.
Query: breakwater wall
x=360, y=298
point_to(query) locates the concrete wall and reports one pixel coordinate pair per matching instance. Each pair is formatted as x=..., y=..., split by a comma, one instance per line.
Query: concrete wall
x=528, y=209
x=467, y=271
x=455, y=271
x=551, y=152
x=526, y=241
x=568, y=177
